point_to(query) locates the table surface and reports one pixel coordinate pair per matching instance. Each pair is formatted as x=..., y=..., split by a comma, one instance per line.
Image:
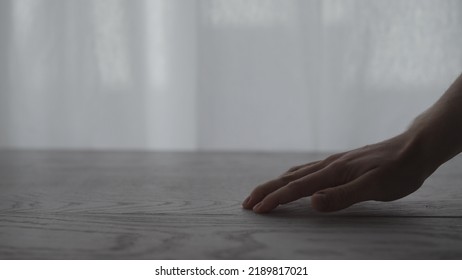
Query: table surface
x=162, y=205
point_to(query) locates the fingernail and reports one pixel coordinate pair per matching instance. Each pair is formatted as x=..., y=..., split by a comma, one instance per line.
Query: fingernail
x=320, y=201
x=257, y=207
x=244, y=204
x=321, y=196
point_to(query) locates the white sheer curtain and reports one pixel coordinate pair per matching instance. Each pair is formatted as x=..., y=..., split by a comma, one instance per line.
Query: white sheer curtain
x=221, y=74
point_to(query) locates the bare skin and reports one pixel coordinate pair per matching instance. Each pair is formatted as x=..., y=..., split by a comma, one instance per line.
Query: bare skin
x=384, y=171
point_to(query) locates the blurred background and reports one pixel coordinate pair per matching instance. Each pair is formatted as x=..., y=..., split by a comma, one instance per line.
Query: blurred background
x=252, y=75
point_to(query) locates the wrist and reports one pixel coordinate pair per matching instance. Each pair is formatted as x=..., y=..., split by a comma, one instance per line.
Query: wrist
x=426, y=149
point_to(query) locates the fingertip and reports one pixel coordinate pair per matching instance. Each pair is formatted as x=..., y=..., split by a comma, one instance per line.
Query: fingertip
x=250, y=202
x=261, y=208
x=256, y=208
x=245, y=202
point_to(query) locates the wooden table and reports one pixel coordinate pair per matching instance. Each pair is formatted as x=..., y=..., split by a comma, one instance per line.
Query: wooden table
x=152, y=205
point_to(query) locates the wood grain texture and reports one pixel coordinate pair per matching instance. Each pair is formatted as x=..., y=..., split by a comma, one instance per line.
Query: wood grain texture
x=146, y=205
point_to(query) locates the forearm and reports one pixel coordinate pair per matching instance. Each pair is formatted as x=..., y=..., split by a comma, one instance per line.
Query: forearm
x=437, y=133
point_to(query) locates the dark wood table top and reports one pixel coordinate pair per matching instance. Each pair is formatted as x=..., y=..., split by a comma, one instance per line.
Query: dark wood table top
x=180, y=205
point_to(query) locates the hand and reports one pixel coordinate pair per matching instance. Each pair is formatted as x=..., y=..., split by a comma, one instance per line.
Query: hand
x=385, y=171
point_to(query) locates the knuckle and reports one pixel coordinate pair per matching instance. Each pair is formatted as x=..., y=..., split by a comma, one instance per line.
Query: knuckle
x=303, y=166
x=338, y=164
x=287, y=177
x=295, y=187
x=293, y=168
x=342, y=195
x=258, y=191
x=333, y=157
x=330, y=158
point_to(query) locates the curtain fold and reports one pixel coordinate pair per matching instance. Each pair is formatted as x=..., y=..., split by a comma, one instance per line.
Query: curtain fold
x=221, y=74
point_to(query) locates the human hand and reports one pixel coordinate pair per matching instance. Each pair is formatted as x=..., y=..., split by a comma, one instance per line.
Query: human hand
x=384, y=171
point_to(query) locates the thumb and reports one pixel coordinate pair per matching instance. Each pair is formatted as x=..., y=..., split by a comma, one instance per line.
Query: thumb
x=338, y=198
